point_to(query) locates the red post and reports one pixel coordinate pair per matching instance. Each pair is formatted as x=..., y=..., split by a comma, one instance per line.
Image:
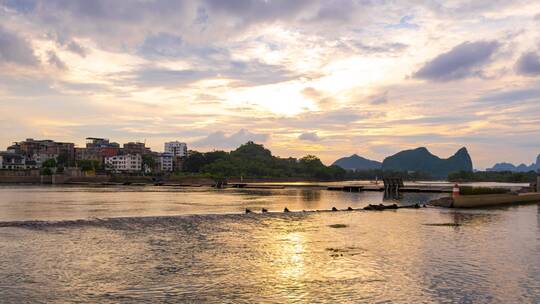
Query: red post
x=455, y=190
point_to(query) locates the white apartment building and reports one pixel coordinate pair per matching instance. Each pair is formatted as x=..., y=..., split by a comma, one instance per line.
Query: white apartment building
x=176, y=148
x=124, y=163
x=166, y=162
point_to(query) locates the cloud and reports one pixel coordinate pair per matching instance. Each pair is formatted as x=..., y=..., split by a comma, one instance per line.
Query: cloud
x=14, y=49
x=379, y=99
x=77, y=49
x=309, y=136
x=53, y=59
x=152, y=76
x=221, y=140
x=405, y=23
x=528, y=64
x=252, y=72
x=393, y=47
x=256, y=11
x=462, y=61
x=511, y=96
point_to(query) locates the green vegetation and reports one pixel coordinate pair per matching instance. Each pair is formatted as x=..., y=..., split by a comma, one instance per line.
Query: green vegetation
x=64, y=160
x=493, y=176
x=49, y=163
x=88, y=165
x=254, y=161
x=148, y=162
x=48, y=167
x=467, y=190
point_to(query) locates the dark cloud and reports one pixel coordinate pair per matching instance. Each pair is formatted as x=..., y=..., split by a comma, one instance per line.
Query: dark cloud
x=14, y=49
x=77, y=48
x=511, y=96
x=256, y=11
x=462, y=61
x=22, y=6
x=53, y=59
x=221, y=140
x=437, y=120
x=309, y=136
x=337, y=11
x=528, y=64
x=243, y=72
x=164, y=77
x=163, y=44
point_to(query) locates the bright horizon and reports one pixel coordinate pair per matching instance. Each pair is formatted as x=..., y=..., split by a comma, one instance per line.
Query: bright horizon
x=329, y=78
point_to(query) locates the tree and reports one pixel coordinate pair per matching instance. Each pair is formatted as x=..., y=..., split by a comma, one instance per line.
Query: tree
x=148, y=162
x=194, y=162
x=87, y=165
x=62, y=159
x=49, y=163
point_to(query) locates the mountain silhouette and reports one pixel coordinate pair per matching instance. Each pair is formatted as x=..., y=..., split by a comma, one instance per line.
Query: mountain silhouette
x=356, y=162
x=520, y=168
x=421, y=160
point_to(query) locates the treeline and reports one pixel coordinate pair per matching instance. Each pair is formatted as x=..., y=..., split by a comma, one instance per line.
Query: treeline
x=493, y=176
x=254, y=161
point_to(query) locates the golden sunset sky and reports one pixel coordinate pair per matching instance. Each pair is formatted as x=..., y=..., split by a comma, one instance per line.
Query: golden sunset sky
x=329, y=78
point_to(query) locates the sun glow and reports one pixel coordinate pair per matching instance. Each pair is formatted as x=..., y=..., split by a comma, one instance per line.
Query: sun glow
x=284, y=99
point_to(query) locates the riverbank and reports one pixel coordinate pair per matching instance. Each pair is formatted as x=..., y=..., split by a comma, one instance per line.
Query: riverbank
x=486, y=200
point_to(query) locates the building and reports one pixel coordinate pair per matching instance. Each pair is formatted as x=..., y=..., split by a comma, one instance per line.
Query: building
x=124, y=163
x=97, y=149
x=95, y=142
x=13, y=161
x=136, y=148
x=43, y=150
x=166, y=162
x=176, y=148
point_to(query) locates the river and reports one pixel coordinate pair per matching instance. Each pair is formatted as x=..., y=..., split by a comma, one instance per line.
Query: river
x=164, y=244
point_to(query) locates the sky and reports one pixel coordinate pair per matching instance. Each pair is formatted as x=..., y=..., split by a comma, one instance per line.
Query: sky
x=328, y=77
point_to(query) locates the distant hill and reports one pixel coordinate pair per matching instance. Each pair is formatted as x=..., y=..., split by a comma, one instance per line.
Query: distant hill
x=356, y=162
x=422, y=160
x=513, y=168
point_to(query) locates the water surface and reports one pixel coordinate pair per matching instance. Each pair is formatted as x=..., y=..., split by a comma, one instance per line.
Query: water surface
x=128, y=244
